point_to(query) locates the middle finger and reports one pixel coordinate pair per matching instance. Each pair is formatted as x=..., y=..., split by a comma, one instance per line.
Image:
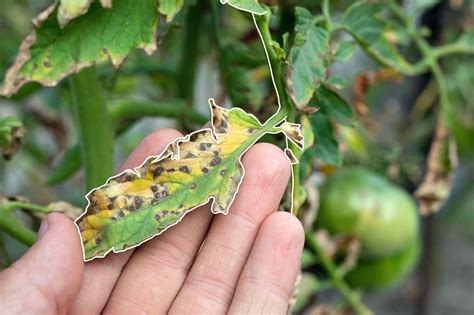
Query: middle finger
x=210, y=285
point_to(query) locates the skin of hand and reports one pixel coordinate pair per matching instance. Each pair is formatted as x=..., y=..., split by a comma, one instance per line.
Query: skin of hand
x=244, y=262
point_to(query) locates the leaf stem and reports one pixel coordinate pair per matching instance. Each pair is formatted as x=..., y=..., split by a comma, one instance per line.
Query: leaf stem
x=449, y=49
x=23, y=205
x=262, y=22
x=10, y=225
x=352, y=297
x=94, y=127
x=286, y=110
x=327, y=15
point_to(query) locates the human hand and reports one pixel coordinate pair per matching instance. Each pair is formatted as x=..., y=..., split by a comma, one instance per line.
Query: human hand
x=245, y=262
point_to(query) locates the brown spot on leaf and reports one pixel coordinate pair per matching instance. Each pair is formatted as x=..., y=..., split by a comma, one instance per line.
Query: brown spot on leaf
x=185, y=169
x=138, y=202
x=189, y=155
x=47, y=64
x=204, y=169
x=205, y=146
x=157, y=172
x=192, y=186
x=223, y=172
x=157, y=217
x=215, y=161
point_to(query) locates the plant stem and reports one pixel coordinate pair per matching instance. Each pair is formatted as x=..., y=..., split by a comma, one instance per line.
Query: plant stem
x=135, y=109
x=23, y=205
x=94, y=127
x=422, y=44
x=286, y=110
x=189, y=53
x=449, y=49
x=296, y=195
x=4, y=259
x=10, y=225
x=275, y=64
x=326, y=14
x=352, y=297
x=428, y=53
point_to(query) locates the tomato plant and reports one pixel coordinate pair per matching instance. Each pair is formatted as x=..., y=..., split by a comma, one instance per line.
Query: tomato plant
x=380, y=91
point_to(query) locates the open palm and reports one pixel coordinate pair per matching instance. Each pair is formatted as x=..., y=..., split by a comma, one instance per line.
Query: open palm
x=245, y=262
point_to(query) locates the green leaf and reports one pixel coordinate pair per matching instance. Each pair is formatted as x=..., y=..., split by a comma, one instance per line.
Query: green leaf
x=344, y=51
x=336, y=81
x=11, y=136
x=68, y=165
x=280, y=52
x=139, y=204
x=236, y=64
x=242, y=90
x=170, y=8
x=459, y=116
x=50, y=53
x=251, y=6
x=307, y=58
x=325, y=148
x=333, y=105
x=466, y=41
x=371, y=30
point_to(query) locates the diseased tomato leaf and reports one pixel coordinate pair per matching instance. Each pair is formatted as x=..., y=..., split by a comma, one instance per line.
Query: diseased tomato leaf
x=365, y=22
x=170, y=8
x=325, y=146
x=307, y=59
x=139, y=204
x=50, y=53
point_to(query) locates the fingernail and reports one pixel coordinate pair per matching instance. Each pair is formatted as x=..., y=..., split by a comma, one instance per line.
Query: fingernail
x=43, y=228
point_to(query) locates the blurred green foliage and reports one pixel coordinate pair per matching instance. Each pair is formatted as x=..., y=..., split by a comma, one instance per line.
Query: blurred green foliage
x=369, y=80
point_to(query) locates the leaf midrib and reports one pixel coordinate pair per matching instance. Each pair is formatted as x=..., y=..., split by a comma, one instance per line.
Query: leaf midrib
x=231, y=157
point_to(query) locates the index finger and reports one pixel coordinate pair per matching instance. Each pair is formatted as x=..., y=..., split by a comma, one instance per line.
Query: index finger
x=100, y=275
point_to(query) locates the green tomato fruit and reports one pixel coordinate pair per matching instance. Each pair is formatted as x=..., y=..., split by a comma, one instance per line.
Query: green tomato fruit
x=386, y=271
x=381, y=215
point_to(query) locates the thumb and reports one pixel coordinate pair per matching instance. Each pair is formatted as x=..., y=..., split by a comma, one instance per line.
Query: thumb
x=47, y=278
